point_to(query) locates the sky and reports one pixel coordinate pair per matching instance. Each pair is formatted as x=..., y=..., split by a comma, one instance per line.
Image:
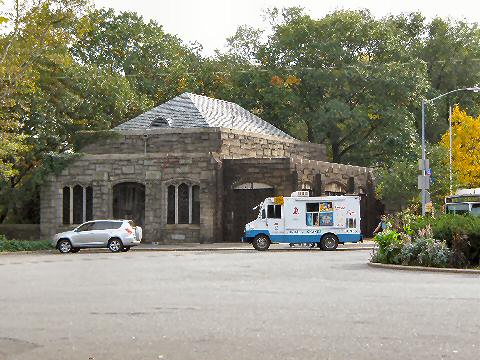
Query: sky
x=210, y=22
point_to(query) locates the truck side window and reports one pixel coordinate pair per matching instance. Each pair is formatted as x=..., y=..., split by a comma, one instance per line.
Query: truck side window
x=263, y=214
x=274, y=211
x=319, y=214
x=351, y=223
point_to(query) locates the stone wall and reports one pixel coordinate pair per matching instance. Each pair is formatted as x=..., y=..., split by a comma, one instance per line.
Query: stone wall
x=156, y=171
x=227, y=143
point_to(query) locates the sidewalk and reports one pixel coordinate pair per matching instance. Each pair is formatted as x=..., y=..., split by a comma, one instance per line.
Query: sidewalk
x=238, y=246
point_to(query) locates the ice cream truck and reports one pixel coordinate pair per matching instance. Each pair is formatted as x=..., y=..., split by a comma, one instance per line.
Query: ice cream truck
x=325, y=221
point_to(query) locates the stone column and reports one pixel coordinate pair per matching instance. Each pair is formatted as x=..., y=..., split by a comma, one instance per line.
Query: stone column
x=102, y=196
x=50, y=209
x=153, y=207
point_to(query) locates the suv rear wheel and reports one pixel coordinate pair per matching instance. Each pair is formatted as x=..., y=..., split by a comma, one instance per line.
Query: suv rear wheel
x=64, y=246
x=115, y=245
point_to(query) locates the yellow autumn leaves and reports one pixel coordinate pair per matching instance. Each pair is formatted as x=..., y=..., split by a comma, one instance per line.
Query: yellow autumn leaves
x=465, y=147
x=291, y=80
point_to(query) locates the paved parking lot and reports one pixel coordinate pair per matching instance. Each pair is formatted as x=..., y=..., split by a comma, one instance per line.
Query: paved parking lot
x=232, y=305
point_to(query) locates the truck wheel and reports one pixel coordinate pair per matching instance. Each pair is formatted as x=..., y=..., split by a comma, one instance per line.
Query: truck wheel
x=261, y=242
x=329, y=242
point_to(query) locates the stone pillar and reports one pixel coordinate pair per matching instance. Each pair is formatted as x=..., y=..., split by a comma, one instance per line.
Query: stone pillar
x=208, y=203
x=102, y=196
x=50, y=209
x=154, y=214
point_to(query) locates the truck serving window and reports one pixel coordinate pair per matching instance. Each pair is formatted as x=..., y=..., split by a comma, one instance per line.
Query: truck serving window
x=274, y=211
x=319, y=213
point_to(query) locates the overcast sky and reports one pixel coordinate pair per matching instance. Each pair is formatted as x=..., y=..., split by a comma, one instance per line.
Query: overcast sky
x=210, y=22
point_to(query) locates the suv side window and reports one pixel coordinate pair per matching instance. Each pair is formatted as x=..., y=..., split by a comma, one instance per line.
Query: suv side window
x=106, y=225
x=86, y=227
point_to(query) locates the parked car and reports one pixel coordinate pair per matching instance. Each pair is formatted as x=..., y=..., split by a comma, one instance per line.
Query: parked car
x=116, y=235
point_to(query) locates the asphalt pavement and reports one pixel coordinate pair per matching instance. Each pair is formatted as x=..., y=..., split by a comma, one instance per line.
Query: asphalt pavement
x=232, y=304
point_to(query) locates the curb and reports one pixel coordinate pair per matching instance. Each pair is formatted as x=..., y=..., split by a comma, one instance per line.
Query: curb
x=250, y=249
x=424, y=269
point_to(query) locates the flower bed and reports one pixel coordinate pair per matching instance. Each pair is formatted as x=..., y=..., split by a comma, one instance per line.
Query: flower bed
x=446, y=241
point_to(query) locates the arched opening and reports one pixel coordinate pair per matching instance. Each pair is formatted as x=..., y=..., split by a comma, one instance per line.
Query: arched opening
x=335, y=188
x=239, y=209
x=129, y=202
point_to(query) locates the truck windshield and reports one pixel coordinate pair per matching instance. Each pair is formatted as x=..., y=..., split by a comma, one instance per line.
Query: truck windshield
x=457, y=209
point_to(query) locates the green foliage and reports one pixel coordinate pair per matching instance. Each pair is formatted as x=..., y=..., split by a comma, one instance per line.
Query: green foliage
x=419, y=245
x=426, y=252
x=390, y=245
x=22, y=245
x=397, y=185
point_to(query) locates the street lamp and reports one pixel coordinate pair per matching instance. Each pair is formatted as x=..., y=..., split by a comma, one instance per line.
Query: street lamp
x=423, y=165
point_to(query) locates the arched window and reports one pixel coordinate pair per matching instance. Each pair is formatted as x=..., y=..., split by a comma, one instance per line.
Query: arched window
x=183, y=204
x=171, y=205
x=77, y=204
x=66, y=205
x=195, y=204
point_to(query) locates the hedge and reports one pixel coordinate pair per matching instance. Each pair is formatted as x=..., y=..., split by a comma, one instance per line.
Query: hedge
x=22, y=245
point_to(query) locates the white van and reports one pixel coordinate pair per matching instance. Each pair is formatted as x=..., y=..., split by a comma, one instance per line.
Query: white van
x=325, y=221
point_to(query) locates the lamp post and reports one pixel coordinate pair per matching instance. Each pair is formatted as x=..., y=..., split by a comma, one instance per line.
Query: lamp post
x=450, y=150
x=424, y=178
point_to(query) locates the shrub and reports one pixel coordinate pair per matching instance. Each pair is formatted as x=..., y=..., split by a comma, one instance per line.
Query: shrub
x=460, y=229
x=389, y=249
x=460, y=245
x=22, y=245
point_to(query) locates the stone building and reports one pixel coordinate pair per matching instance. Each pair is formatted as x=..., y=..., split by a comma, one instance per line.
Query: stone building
x=191, y=170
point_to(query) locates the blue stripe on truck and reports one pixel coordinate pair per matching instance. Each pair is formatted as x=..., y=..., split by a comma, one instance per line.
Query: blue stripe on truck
x=298, y=238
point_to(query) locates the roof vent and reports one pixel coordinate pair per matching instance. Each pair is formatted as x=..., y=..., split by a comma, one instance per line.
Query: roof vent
x=161, y=121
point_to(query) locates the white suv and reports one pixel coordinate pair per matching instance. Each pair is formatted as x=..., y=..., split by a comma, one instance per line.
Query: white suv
x=116, y=235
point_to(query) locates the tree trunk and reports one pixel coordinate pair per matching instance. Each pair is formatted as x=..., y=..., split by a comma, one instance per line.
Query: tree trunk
x=336, y=153
x=310, y=133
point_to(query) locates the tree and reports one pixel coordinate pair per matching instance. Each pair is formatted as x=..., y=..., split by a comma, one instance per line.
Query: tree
x=465, y=147
x=351, y=91
x=155, y=63
x=397, y=184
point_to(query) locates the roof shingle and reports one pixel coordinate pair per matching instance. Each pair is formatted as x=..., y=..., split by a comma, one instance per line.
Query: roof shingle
x=191, y=110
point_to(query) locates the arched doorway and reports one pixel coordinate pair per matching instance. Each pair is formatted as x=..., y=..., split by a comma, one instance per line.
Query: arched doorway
x=239, y=209
x=129, y=202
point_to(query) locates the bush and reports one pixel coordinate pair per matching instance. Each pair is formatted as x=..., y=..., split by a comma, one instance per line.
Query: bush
x=461, y=233
x=389, y=247
x=22, y=245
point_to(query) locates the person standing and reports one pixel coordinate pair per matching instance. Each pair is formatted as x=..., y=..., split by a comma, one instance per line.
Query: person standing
x=382, y=225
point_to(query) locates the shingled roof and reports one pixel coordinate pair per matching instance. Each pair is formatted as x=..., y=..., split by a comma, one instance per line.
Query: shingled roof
x=191, y=111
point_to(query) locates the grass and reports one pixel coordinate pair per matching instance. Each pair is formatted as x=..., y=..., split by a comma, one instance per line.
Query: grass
x=23, y=245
